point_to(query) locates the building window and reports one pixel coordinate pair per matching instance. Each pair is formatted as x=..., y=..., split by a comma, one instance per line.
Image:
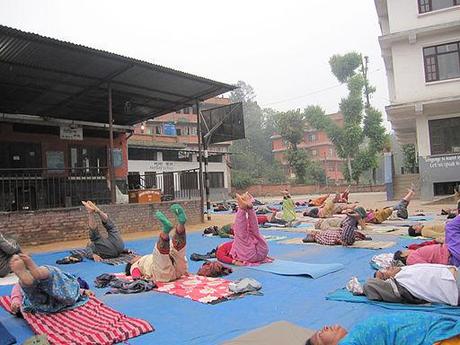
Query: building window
x=314, y=152
x=134, y=180
x=188, y=180
x=444, y=136
x=215, y=159
x=20, y=155
x=192, y=130
x=312, y=137
x=177, y=156
x=178, y=131
x=158, y=130
x=186, y=110
x=442, y=62
x=216, y=180
x=141, y=154
x=150, y=179
x=434, y=5
x=331, y=152
x=88, y=157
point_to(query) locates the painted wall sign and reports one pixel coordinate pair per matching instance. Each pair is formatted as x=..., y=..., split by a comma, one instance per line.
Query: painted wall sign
x=71, y=133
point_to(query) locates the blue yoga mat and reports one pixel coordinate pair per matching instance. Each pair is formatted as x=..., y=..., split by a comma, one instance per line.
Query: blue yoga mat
x=293, y=268
x=420, y=218
x=5, y=337
x=345, y=296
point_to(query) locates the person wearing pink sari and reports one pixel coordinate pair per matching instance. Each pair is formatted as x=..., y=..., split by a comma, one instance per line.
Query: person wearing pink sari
x=248, y=246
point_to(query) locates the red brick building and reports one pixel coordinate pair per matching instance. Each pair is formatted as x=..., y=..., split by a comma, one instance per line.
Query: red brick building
x=319, y=147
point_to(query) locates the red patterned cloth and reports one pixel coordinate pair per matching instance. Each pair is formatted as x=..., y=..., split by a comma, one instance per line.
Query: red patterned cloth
x=197, y=288
x=415, y=246
x=92, y=323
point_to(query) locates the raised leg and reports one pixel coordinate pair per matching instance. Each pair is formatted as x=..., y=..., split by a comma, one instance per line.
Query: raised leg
x=19, y=268
x=37, y=272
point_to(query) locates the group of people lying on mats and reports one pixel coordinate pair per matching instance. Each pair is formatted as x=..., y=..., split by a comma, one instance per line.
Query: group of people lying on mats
x=48, y=289
x=344, y=231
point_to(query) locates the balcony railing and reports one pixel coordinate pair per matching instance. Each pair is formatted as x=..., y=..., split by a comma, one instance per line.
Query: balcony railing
x=32, y=189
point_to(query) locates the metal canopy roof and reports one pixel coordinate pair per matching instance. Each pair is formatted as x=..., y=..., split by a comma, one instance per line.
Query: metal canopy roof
x=51, y=78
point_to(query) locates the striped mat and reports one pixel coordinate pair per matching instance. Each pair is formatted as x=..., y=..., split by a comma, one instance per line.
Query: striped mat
x=92, y=323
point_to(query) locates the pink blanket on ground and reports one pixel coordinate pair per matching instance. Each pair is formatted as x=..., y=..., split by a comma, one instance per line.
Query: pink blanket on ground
x=92, y=323
x=194, y=287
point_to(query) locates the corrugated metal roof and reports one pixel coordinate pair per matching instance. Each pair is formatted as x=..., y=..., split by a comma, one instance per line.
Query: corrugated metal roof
x=47, y=77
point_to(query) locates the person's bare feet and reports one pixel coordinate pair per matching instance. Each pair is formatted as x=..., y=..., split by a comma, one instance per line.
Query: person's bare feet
x=38, y=273
x=240, y=201
x=94, y=207
x=248, y=200
x=18, y=267
x=88, y=207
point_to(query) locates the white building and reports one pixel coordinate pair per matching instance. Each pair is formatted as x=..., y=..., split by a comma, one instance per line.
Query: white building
x=160, y=150
x=420, y=45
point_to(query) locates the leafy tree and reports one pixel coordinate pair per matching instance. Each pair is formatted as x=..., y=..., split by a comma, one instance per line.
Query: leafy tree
x=291, y=125
x=253, y=155
x=349, y=139
x=410, y=158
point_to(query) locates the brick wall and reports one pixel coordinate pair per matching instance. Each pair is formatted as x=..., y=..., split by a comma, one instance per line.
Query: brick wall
x=48, y=226
x=268, y=190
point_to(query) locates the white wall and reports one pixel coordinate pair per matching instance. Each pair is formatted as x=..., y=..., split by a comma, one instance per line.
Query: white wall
x=403, y=15
x=409, y=74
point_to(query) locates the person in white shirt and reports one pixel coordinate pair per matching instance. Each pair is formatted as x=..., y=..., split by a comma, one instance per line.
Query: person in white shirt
x=433, y=283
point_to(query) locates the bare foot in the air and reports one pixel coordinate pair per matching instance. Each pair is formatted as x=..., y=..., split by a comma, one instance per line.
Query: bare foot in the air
x=248, y=200
x=38, y=273
x=240, y=201
x=19, y=268
x=88, y=207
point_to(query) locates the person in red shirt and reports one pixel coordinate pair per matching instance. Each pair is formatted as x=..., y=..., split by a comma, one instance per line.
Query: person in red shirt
x=248, y=246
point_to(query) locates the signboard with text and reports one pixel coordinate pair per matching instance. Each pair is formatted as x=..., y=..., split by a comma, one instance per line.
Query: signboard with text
x=71, y=133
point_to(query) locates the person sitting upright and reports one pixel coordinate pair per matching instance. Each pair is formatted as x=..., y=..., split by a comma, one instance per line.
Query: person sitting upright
x=8, y=247
x=393, y=329
x=43, y=289
x=165, y=264
x=248, y=246
x=102, y=247
x=380, y=215
x=288, y=208
x=346, y=235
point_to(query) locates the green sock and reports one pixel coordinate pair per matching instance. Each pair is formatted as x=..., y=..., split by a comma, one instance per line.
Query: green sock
x=166, y=224
x=179, y=212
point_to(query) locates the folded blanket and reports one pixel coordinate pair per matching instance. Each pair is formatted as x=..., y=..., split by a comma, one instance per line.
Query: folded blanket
x=358, y=244
x=346, y=296
x=92, y=323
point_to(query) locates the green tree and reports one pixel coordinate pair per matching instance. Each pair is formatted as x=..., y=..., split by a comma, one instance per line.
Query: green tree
x=291, y=126
x=349, y=140
x=252, y=157
x=410, y=158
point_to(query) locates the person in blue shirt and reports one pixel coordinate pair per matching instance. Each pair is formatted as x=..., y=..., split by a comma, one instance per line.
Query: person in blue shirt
x=415, y=328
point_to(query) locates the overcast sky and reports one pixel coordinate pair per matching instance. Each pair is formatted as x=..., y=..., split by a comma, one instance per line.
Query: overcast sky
x=281, y=47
